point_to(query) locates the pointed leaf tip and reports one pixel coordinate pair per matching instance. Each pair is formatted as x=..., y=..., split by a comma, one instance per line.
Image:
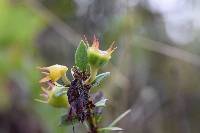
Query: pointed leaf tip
x=119, y=118
x=111, y=129
x=100, y=78
x=101, y=103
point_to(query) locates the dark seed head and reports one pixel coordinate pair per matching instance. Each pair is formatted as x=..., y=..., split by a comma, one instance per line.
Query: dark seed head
x=78, y=96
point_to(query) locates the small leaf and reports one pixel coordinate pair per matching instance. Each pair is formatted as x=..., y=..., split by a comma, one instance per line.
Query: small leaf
x=60, y=91
x=81, y=56
x=119, y=118
x=101, y=103
x=65, y=121
x=111, y=129
x=99, y=79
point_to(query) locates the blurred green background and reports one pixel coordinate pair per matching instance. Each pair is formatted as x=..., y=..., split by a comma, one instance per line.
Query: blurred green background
x=155, y=71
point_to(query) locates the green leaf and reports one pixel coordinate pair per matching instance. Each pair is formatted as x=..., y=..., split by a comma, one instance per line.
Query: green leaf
x=111, y=126
x=99, y=79
x=65, y=121
x=119, y=118
x=60, y=91
x=110, y=129
x=101, y=103
x=81, y=56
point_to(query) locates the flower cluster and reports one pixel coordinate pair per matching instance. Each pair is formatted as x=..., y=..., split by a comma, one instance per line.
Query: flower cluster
x=52, y=74
x=75, y=95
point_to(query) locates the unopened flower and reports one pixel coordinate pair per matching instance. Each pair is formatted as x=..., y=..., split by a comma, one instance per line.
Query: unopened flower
x=50, y=96
x=53, y=73
x=97, y=57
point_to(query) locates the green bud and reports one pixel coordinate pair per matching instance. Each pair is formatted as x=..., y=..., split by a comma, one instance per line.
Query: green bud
x=57, y=101
x=54, y=96
x=98, y=58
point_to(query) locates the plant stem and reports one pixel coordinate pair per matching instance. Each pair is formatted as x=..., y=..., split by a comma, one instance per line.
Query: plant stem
x=92, y=123
x=93, y=73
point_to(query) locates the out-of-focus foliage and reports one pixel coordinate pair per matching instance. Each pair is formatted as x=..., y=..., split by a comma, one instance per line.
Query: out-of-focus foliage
x=19, y=26
x=64, y=9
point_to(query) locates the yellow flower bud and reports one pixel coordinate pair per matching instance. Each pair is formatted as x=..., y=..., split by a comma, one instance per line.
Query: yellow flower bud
x=53, y=73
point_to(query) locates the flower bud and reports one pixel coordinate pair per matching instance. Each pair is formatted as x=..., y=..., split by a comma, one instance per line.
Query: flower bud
x=50, y=97
x=57, y=101
x=53, y=73
x=98, y=58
